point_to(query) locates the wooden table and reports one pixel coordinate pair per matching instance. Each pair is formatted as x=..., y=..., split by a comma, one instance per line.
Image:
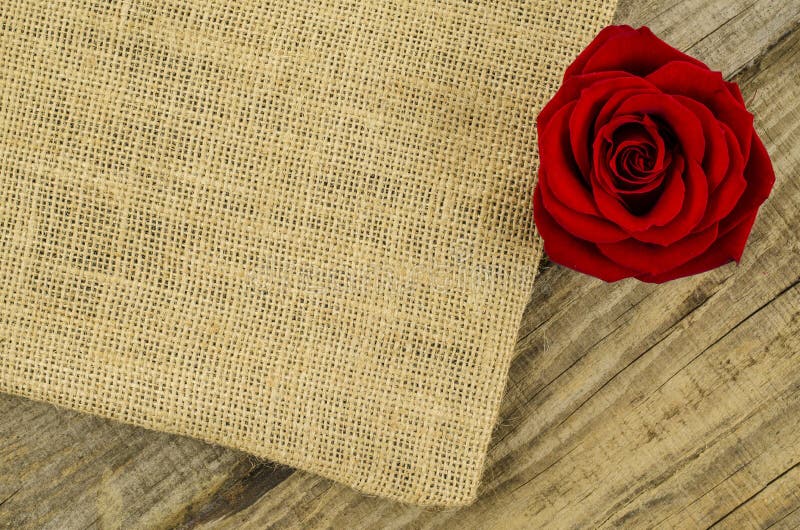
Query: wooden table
x=628, y=404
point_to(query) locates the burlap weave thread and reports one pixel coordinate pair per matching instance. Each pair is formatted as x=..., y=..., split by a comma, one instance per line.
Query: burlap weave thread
x=300, y=228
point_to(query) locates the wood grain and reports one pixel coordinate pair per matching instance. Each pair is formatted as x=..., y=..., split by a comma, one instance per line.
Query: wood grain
x=627, y=405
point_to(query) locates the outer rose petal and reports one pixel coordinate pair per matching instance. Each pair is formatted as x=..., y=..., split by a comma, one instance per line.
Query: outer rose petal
x=724, y=198
x=636, y=51
x=653, y=259
x=733, y=88
x=562, y=174
x=726, y=248
x=710, y=89
x=577, y=66
x=760, y=178
x=588, y=227
x=572, y=252
x=570, y=91
x=735, y=238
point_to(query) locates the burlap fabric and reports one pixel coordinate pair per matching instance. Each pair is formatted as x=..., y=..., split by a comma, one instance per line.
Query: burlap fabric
x=300, y=228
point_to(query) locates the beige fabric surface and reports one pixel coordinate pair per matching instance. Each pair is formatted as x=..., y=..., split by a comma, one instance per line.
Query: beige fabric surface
x=299, y=228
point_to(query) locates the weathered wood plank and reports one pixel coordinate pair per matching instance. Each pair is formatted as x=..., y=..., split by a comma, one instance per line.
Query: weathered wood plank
x=627, y=405
x=61, y=469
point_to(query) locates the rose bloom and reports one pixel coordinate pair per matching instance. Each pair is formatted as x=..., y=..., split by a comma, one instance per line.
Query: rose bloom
x=650, y=167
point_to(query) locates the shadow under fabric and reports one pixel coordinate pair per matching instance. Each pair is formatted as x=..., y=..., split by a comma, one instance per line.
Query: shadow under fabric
x=298, y=228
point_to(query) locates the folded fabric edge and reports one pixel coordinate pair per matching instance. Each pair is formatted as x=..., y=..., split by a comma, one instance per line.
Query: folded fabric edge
x=422, y=498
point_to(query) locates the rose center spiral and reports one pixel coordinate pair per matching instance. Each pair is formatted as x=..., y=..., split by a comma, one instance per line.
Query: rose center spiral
x=636, y=154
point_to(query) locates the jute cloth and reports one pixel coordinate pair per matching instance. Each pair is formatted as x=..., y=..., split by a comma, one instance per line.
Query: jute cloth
x=300, y=228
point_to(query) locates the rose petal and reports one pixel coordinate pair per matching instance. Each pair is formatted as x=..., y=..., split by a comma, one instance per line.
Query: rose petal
x=572, y=252
x=617, y=98
x=705, y=262
x=695, y=202
x=639, y=52
x=716, y=157
x=578, y=65
x=667, y=207
x=583, y=226
x=760, y=178
x=735, y=238
x=563, y=177
x=593, y=98
x=726, y=248
x=710, y=89
x=654, y=259
x=733, y=88
x=569, y=91
x=682, y=121
x=724, y=198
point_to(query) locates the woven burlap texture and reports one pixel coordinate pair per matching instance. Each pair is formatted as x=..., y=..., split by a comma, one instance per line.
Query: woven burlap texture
x=299, y=228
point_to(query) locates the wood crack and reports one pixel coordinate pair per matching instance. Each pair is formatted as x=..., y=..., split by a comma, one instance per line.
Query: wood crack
x=784, y=517
x=719, y=27
x=10, y=497
x=754, y=495
x=731, y=330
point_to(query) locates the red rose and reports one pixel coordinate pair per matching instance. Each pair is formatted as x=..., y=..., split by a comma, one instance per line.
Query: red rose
x=650, y=166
